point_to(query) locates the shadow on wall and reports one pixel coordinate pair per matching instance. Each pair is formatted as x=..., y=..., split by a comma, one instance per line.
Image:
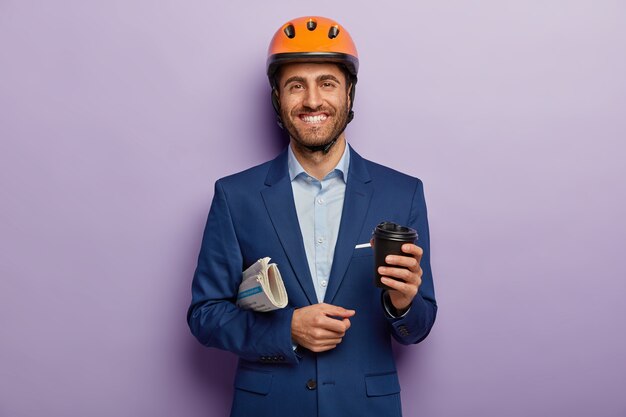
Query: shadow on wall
x=270, y=134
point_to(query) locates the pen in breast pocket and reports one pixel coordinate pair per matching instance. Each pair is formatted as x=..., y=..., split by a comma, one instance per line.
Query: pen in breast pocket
x=363, y=245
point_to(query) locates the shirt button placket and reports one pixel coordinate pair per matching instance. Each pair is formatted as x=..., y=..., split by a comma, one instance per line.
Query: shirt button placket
x=321, y=238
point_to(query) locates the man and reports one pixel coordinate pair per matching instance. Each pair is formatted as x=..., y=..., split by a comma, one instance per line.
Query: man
x=312, y=210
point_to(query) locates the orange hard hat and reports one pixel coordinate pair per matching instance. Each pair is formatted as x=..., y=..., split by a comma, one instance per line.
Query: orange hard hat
x=312, y=39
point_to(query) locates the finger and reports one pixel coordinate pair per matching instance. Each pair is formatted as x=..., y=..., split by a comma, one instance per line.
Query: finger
x=324, y=335
x=322, y=345
x=336, y=311
x=331, y=342
x=318, y=349
x=408, y=290
x=347, y=324
x=405, y=261
x=338, y=327
x=414, y=250
x=322, y=321
x=403, y=274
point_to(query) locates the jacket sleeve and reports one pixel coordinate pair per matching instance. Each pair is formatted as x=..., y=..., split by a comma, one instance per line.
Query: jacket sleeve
x=414, y=326
x=213, y=317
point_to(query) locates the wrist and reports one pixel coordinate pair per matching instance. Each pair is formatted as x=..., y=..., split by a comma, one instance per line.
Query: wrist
x=392, y=309
x=398, y=305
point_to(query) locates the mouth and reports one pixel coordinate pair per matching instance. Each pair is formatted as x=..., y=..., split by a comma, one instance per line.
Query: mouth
x=313, y=118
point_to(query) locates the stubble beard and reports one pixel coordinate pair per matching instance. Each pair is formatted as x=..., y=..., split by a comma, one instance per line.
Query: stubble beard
x=315, y=135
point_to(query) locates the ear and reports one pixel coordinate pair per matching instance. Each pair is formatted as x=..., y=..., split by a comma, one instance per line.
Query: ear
x=350, y=95
x=275, y=100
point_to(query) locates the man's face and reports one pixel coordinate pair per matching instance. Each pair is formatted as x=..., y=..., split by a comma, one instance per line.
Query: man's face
x=313, y=102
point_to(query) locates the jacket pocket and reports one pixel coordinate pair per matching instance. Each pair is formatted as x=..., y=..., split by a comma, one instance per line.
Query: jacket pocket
x=254, y=381
x=367, y=251
x=382, y=384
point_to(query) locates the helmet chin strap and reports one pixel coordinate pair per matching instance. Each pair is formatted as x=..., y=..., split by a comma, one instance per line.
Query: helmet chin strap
x=317, y=148
x=326, y=147
x=323, y=148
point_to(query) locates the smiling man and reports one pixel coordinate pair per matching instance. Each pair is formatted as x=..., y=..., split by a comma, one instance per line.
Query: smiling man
x=312, y=210
x=313, y=103
x=314, y=106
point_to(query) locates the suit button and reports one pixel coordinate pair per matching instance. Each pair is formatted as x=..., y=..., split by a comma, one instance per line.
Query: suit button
x=311, y=384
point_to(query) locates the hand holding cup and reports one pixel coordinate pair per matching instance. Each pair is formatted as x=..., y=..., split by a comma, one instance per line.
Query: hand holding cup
x=397, y=262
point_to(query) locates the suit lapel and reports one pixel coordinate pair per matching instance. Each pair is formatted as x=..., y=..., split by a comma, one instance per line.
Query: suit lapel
x=355, y=206
x=278, y=199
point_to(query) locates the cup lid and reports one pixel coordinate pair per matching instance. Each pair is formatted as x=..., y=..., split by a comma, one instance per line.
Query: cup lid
x=394, y=231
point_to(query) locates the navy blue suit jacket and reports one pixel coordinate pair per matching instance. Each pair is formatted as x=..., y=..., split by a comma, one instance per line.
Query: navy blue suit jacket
x=252, y=216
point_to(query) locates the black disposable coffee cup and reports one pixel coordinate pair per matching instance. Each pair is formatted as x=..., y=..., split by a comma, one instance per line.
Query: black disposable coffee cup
x=388, y=240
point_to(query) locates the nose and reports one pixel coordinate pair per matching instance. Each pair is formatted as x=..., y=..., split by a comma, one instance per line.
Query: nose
x=312, y=98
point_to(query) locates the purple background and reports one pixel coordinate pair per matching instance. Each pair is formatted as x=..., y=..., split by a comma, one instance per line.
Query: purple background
x=116, y=118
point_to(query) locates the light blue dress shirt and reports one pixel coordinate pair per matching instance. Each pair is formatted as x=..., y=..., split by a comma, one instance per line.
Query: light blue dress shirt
x=319, y=205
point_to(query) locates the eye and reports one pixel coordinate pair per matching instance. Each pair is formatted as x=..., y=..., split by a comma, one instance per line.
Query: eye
x=296, y=86
x=328, y=84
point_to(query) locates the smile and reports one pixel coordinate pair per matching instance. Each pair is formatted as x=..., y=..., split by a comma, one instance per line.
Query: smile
x=317, y=118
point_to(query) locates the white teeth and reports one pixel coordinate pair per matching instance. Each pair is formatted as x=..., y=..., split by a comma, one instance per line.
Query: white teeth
x=314, y=119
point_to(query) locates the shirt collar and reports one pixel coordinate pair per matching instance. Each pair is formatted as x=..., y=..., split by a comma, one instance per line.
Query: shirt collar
x=295, y=169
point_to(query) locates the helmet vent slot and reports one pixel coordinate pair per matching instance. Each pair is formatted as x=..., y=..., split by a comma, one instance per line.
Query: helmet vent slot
x=290, y=31
x=333, y=32
x=311, y=24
